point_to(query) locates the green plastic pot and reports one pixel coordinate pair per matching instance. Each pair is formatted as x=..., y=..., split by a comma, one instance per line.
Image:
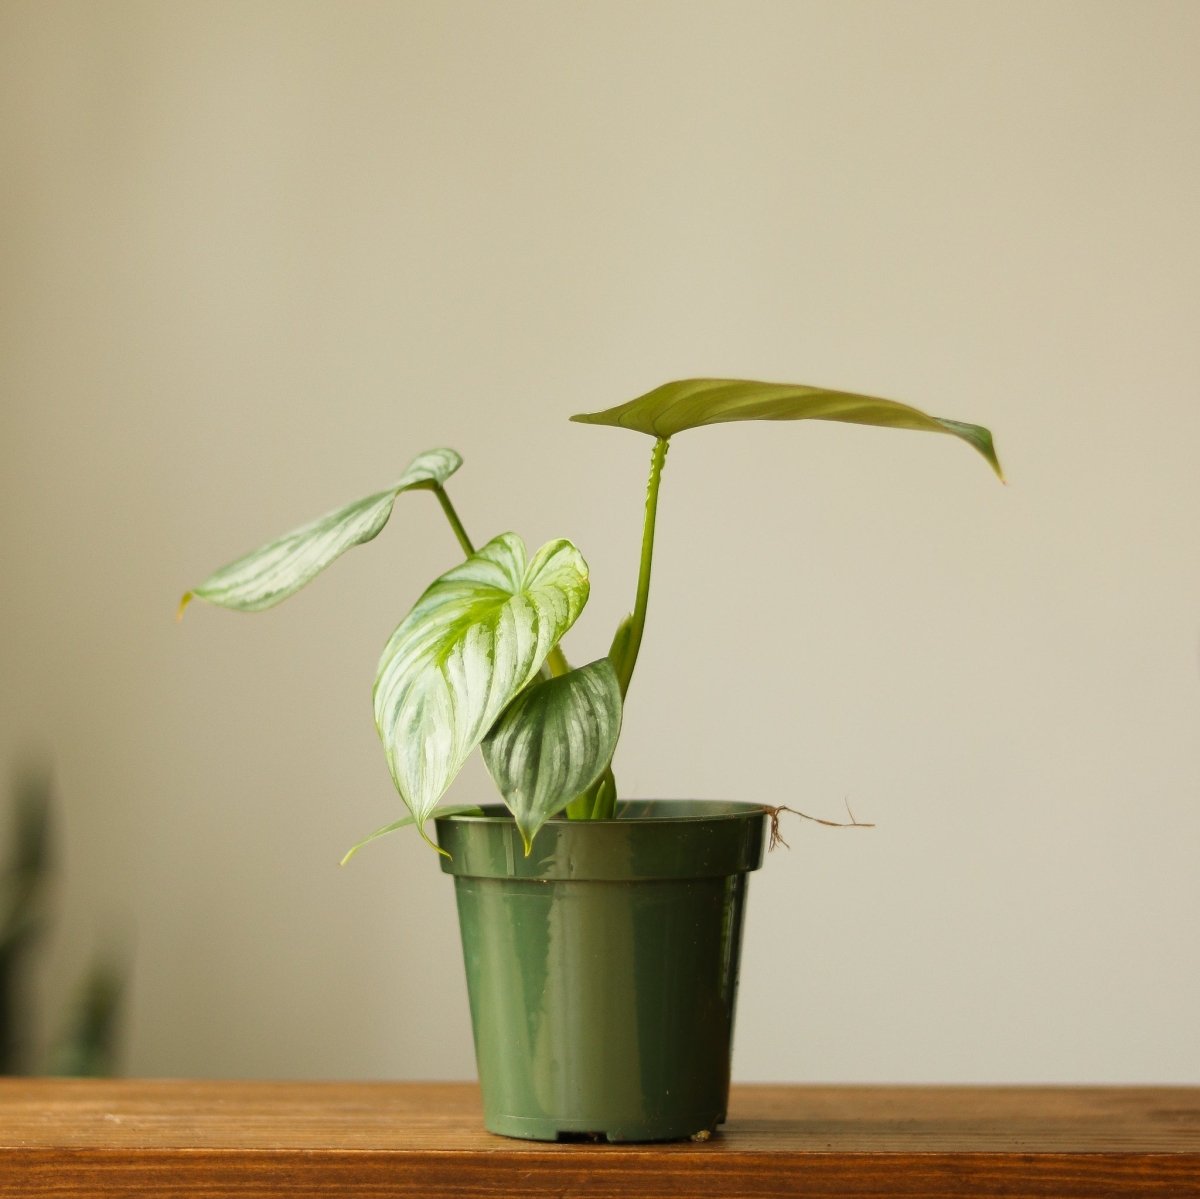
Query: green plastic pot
x=602, y=969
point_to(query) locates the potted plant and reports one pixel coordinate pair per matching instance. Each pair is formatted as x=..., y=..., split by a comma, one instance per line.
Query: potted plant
x=600, y=936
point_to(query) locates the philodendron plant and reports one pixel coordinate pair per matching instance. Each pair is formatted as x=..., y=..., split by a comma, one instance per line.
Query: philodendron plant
x=478, y=662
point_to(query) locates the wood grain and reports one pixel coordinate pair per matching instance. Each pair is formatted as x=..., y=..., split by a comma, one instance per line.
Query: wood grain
x=73, y=1138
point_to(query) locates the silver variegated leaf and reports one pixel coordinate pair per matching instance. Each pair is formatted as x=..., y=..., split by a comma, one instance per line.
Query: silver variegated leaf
x=691, y=403
x=470, y=645
x=268, y=575
x=553, y=741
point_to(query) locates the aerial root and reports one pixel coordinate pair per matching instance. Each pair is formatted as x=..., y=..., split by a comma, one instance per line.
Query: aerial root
x=777, y=836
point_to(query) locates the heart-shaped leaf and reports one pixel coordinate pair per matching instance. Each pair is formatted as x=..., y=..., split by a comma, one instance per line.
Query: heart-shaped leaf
x=690, y=403
x=270, y=574
x=553, y=741
x=471, y=644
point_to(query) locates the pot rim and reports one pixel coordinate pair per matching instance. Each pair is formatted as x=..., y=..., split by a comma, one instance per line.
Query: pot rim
x=703, y=839
x=700, y=810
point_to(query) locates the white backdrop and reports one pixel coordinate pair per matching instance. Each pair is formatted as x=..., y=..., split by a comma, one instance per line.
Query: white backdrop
x=256, y=255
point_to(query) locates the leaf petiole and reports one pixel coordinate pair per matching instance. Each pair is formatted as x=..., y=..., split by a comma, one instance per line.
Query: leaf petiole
x=455, y=523
x=599, y=801
x=637, y=622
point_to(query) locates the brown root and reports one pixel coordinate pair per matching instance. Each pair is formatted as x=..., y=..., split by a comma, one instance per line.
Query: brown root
x=777, y=836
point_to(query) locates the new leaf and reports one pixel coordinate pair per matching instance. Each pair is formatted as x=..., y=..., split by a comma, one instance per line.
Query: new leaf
x=691, y=403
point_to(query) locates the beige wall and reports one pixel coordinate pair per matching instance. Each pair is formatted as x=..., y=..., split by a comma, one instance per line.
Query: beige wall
x=256, y=255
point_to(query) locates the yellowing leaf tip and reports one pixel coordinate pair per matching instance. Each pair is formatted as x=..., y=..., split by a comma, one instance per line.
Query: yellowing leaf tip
x=431, y=842
x=183, y=603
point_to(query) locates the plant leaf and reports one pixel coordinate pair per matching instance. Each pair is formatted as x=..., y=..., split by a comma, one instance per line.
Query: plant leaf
x=471, y=644
x=603, y=793
x=553, y=741
x=690, y=403
x=405, y=821
x=618, y=651
x=268, y=575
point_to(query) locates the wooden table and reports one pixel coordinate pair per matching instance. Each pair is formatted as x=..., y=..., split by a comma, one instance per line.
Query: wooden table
x=216, y=1139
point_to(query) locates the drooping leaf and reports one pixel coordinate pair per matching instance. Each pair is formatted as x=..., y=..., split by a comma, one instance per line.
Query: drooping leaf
x=690, y=403
x=553, y=741
x=268, y=575
x=472, y=642
x=405, y=821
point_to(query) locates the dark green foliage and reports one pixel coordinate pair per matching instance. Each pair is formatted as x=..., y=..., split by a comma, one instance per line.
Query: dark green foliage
x=87, y=1044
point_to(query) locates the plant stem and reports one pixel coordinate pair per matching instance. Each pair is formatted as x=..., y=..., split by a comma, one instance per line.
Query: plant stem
x=599, y=801
x=638, y=621
x=556, y=661
x=455, y=523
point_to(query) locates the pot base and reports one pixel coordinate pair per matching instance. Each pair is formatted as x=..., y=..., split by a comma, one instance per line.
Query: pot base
x=679, y=1128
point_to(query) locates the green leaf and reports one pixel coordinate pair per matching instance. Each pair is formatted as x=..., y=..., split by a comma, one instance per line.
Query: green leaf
x=596, y=801
x=270, y=574
x=690, y=403
x=605, y=790
x=471, y=644
x=553, y=741
x=622, y=645
x=405, y=821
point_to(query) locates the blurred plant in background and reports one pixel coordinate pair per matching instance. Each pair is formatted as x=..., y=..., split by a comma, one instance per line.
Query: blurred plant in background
x=86, y=1045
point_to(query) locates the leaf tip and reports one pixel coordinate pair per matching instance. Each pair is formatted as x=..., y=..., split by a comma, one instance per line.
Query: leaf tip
x=432, y=843
x=993, y=459
x=183, y=603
